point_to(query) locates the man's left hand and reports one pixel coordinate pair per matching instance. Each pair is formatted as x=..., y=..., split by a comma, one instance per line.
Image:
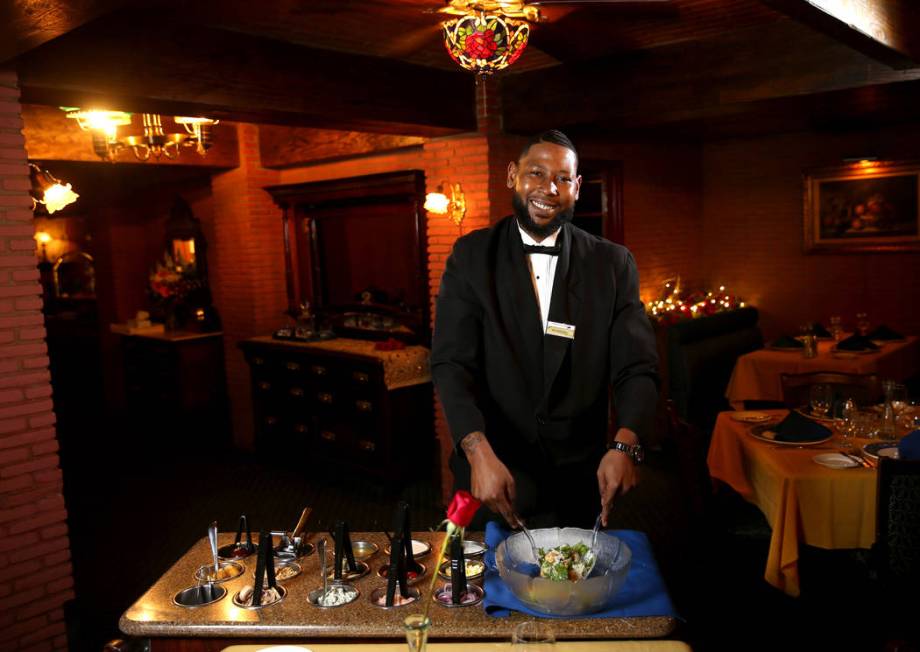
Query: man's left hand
x=616, y=474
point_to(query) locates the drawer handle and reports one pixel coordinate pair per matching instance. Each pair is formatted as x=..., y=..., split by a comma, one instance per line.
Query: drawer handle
x=258, y=361
x=270, y=421
x=363, y=406
x=293, y=366
x=324, y=397
x=264, y=385
x=361, y=377
x=328, y=435
x=296, y=391
x=318, y=370
x=300, y=428
x=366, y=445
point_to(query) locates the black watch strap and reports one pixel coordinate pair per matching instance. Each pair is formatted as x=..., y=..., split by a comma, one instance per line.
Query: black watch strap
x=636, y=453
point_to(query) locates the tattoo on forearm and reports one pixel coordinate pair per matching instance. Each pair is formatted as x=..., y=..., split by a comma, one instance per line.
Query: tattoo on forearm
x=471, y=441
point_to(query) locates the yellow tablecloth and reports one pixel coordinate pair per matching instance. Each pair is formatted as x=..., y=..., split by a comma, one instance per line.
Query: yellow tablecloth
x=756, y=374
x=803, y=501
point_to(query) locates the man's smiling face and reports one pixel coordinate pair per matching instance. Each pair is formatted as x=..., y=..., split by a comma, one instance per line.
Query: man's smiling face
x=545, y=182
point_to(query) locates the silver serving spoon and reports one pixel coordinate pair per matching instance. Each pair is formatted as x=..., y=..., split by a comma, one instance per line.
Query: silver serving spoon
x=212, y=537
x=593, y=548
x=533, y=544
x=321, y=547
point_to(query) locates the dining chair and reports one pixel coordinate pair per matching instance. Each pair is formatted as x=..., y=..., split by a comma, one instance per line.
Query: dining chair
x=896, y=553
x=864, y=389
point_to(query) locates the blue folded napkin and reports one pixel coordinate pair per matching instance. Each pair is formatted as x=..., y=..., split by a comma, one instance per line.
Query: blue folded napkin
x=857, y=343
x=643, y=593
x=797, y=427
x=909, y=446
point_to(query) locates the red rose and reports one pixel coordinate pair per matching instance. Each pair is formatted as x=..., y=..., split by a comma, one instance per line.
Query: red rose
x=480, y=45
x=462, y=508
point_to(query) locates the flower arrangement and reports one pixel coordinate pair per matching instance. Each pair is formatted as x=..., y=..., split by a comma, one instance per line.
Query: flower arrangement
x=169, y=285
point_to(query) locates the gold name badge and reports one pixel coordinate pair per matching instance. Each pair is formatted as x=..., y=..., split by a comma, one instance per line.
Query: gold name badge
x=560, y=330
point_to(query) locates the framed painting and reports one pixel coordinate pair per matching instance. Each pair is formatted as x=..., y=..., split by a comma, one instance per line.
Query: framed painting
x=866, y=207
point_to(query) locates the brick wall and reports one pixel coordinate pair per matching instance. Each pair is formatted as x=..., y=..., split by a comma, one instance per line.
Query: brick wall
x=752, y=233
x=246, y=261
x=35, y=572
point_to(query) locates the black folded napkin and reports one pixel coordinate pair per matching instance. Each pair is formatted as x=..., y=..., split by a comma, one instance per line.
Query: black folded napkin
x=857, y=343
x=797, y=427
x=819, y=331
x=787, y=342
x=885, y=333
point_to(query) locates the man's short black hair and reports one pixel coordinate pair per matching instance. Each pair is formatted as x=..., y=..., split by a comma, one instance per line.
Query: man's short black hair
x=553, y=136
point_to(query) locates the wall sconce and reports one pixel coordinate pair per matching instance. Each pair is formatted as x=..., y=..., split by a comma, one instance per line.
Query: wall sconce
x=440, y=204
x=49, y=191
x=43, y=238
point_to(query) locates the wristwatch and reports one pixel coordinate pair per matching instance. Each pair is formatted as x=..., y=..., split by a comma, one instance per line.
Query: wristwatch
x=636, y=453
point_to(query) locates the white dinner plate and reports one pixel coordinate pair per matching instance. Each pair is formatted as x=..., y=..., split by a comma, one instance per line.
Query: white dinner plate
x=763, y=433
x=837, y=351
x=879, y=449
x=835, y=461
x=750, y=416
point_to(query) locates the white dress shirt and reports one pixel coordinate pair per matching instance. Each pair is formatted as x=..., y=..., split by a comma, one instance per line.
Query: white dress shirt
x=542, y=272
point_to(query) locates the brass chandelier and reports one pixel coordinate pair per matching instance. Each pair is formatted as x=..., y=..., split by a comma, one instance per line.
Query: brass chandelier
x=153, y=141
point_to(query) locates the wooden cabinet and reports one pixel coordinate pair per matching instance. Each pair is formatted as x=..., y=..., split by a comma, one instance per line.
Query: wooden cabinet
x=327, y=404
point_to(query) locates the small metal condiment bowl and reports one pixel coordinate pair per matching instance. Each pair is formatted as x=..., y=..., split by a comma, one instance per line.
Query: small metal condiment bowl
x=281, y=592
x=314, y=596
x=384, y=572
x=364, y=550
x=419, y=548
x=381, y=592
x=226, y=553
x=199, y=596
x=202, y=574
x=351, y=576
x=293, y=552
x=445, y=591
x=444, y=570
x=473, y=549
x=293, y=565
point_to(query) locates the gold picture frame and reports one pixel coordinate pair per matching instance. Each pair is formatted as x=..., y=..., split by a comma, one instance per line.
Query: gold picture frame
x=866, y=207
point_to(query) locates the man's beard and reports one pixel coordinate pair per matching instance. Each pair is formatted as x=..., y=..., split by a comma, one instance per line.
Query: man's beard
x=537, y=230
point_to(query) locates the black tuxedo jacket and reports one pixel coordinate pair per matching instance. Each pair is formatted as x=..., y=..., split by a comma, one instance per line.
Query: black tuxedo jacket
x=532, y=394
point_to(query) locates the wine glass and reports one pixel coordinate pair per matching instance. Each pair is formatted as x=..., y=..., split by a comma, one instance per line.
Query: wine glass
x=820, y=398
x=898, y=397
x=862, y=323
x=533, y=636
x=836, y=327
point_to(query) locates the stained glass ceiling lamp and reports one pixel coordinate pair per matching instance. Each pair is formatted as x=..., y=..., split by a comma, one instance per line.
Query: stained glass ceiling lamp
x=153, y=141
x=487, y=35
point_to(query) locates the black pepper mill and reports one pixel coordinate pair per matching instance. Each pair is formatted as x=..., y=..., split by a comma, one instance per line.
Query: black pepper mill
x=457, y=571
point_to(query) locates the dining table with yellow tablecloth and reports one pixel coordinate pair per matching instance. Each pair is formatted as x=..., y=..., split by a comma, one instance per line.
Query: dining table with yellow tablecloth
x=802, y=501
x=756, y=375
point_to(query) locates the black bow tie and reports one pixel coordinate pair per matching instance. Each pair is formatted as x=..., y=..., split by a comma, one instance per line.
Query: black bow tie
x=554, y=250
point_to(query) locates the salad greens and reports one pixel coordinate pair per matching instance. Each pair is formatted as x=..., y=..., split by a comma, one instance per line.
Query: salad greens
x=565, y=563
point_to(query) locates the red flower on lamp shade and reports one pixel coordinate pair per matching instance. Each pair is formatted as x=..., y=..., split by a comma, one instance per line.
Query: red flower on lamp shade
x=481, y=45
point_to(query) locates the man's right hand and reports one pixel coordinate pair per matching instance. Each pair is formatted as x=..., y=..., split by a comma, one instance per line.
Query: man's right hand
x=490, y=480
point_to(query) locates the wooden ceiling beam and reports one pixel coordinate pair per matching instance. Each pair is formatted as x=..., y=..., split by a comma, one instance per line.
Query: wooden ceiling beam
x=687, y=82
x=26, y=24
x=186, y=69
x=886, y=30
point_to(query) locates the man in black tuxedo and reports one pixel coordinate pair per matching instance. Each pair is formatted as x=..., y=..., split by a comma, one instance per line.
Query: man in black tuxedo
x=537, y=322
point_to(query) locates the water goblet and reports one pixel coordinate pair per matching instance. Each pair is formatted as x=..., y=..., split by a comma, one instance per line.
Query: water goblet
x=820, y=397
x=862, y=323
x=533, y=636
x=836, y=327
